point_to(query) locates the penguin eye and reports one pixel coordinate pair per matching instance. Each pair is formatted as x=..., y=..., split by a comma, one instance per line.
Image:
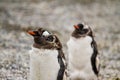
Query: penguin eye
x=49, y=38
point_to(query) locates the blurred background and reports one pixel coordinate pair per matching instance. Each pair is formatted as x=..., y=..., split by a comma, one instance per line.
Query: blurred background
x=58, y=16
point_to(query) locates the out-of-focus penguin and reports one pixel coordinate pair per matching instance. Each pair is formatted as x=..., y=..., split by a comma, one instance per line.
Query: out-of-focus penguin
x=83, y=59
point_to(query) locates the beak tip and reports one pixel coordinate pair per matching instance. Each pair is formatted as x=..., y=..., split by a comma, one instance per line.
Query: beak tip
x=76, y=27
x=31, y=32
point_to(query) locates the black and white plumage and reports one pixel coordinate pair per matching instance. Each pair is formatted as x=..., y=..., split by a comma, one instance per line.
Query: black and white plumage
x=46, y=57
x=83, y=59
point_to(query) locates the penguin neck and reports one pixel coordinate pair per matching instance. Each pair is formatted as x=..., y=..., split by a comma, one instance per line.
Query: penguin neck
x=45, y=47
x=36, y=49
x=83, y=42
x=43, y=51
x=86, y=39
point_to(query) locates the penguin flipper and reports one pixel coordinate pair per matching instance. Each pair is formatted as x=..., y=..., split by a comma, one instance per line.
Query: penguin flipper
x=62, y=68
x=94, y=59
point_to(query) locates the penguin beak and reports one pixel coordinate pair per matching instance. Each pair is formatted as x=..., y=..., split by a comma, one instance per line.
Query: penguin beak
x=31, y=33
x=76, y=27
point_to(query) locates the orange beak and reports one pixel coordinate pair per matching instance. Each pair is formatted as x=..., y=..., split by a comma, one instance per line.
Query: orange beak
x=31, y=32
x=76, y=27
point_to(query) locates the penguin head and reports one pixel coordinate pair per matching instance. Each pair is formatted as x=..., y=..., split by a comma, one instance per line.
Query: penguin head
x=82, y=30
x=45, y=40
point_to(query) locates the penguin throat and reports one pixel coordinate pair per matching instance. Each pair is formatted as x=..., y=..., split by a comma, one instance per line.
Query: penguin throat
x=46, y=46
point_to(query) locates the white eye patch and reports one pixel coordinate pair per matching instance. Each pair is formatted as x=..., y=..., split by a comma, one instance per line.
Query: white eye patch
x=46, y=33
x=86, y=27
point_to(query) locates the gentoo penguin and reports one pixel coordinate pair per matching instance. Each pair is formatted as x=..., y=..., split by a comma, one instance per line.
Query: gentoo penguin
x=83, y=59
x=46, y=56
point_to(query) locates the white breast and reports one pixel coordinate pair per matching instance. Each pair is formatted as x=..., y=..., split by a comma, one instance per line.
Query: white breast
x=43, y=64
x=80, y=52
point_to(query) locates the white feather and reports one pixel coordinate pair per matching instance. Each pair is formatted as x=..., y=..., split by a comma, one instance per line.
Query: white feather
x=43, y=64
x=86, y=27
x=80, y=52
x=46, y=33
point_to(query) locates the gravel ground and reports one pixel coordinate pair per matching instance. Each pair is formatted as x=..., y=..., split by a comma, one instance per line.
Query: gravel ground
x=57, y=16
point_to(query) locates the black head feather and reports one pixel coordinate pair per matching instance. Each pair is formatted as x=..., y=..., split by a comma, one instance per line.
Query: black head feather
x=45, y=40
